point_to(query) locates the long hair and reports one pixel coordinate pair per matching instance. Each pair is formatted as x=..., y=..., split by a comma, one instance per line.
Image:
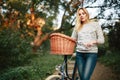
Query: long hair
x=79, y=24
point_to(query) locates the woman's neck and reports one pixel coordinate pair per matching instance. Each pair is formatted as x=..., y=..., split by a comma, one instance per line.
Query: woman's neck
x=85, y=22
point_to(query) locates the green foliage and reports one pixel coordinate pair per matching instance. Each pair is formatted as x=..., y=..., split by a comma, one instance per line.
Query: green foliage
x=17, y=60
x=19, y=6
x=102, y=49
x=39, y=68
x=19, y=73
x=114, y=37
x=12, y=48
x=112, y=59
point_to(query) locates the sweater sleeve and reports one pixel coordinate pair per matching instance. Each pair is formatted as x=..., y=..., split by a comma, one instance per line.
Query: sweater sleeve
x=100, y=36
x=74, y=34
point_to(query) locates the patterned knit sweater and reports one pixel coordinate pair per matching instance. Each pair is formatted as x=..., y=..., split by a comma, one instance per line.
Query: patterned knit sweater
x=90, y=32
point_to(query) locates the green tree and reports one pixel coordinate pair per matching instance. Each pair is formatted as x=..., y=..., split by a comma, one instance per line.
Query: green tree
x=114, y=39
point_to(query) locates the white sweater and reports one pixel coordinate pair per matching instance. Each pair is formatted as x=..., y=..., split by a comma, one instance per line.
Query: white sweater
x=90, y=32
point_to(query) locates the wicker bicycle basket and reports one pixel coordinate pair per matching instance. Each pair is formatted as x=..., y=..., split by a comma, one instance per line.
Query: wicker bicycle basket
x=61, y=44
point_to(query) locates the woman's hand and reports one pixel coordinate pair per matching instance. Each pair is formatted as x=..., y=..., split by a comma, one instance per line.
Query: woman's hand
x=89, y=44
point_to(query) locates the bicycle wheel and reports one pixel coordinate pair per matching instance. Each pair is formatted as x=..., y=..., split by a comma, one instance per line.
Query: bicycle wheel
x=53, y=77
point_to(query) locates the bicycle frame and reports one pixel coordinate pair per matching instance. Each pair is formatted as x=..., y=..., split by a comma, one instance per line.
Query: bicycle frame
x=63, y=71
x=64, y=67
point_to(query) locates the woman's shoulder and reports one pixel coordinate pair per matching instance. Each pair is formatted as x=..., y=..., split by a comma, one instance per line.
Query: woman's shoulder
x=94, y=22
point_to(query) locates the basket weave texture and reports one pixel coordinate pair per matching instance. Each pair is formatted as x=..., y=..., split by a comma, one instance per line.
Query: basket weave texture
x=61, y=44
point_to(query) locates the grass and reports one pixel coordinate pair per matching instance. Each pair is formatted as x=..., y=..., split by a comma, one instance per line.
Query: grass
x=38, y=67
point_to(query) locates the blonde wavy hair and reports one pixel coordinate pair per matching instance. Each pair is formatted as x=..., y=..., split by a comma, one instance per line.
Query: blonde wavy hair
x=79, y=24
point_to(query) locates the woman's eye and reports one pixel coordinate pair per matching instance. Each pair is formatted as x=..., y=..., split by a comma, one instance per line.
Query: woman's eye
x=83, y=13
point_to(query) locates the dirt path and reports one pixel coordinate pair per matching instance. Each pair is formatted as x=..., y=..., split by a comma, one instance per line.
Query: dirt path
x=102, y=72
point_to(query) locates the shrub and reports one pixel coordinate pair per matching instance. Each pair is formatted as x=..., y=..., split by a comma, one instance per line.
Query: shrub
x=13, y=48
x=112, y=59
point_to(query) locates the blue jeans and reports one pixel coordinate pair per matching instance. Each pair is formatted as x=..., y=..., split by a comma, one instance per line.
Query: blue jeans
x=85, y=62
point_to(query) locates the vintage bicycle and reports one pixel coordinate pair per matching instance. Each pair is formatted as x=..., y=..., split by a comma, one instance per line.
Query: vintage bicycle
x=62, y=45
x=63, y=72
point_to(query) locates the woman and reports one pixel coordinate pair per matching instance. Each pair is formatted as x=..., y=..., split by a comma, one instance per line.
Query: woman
x=88, y=35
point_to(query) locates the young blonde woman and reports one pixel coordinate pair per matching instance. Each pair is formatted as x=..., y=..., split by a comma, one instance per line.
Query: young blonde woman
x=88, y=35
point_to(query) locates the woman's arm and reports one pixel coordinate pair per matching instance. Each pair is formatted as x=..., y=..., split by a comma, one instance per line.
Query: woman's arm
x=74, y=34
x=100, y=36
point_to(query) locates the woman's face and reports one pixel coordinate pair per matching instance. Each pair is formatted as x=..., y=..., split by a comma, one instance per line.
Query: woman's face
x=83, y=15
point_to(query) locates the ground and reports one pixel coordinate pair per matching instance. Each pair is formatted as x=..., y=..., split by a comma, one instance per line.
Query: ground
x=101, y=72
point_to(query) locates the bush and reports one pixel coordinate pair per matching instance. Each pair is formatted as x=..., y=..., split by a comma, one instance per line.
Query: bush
x=101, y=50
x=114, y=39
x=112, y=59
x=39, y=68
x=13, y=48
x=17, y=62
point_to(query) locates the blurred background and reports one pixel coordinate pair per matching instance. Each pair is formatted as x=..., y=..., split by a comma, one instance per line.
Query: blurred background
x=19, y=62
